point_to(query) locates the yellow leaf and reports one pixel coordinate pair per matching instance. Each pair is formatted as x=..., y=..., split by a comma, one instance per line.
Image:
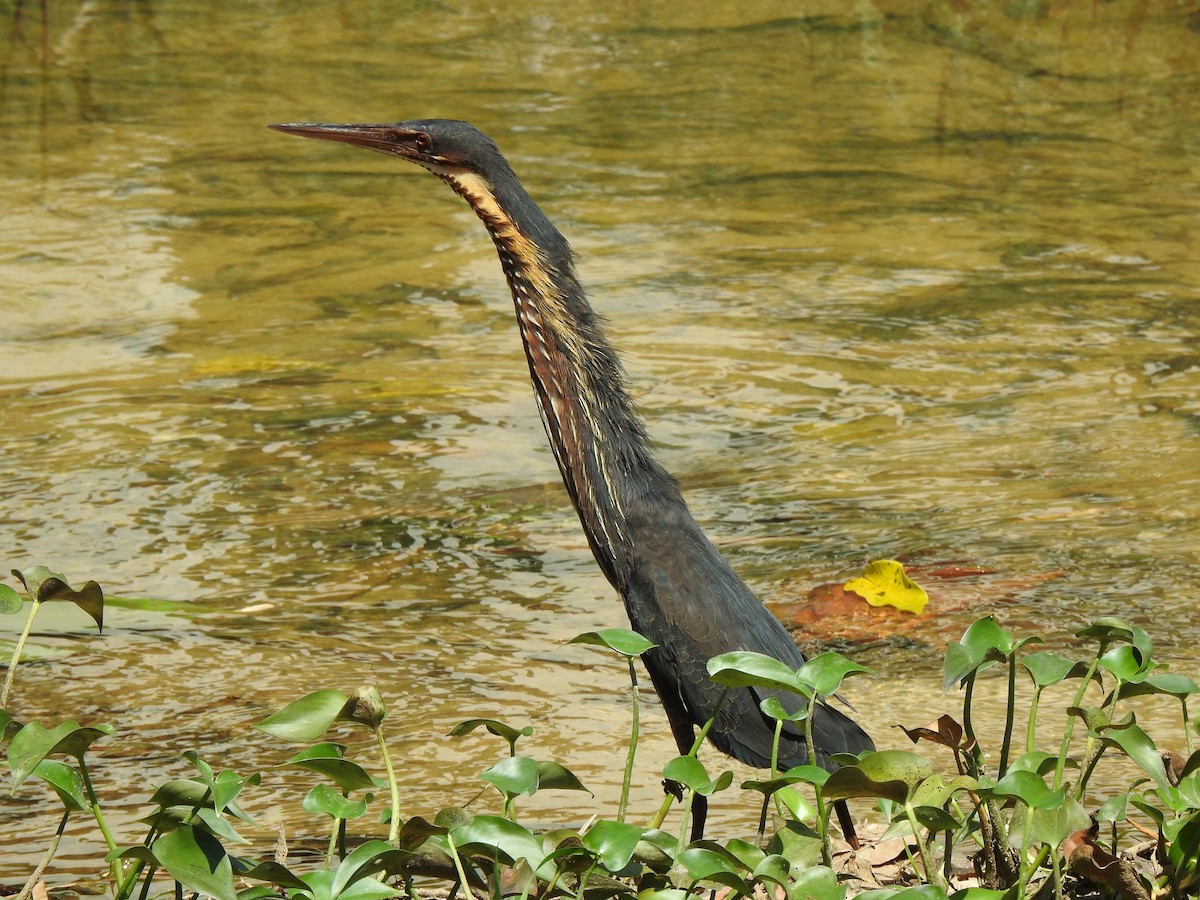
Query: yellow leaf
x=883, y=583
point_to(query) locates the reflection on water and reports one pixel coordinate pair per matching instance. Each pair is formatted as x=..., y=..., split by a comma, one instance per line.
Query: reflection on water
x=889, y=284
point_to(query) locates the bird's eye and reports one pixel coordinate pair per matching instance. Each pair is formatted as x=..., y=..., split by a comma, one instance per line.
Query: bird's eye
x=421, y=141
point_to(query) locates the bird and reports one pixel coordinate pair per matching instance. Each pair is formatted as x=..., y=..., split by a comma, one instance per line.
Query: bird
x=678, y=591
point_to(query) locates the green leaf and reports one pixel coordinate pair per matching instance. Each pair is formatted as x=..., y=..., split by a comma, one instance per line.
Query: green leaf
x=621, y=640
x=554, y=776
x=197, y=861
x=1029, y=788
x=1052, y=826
x=1125, y=663
x=884, y=583
x=709, y=864
x=44, y=585
x=325, y=800
x=491, y=835
x=742, y=668
x=817, y=883
x=1110, y=629
x=613, y=842
x=499, y=729
x=825, y=672
x=773, y=709
x=1160, y=683
x=416, y=830
x=326, y=759
x=981, y=645
x=274, y=873
x=690, y=772
x=364, y=860
x=66, y=781
x=305, y=719
x=891, y=774
x=1138, y=746
x=33, y=743
x=513, y=775
x=1046, y=668
x=10, y=601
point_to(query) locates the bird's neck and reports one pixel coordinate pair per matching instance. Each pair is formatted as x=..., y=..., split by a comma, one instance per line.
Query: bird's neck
x=597, y=437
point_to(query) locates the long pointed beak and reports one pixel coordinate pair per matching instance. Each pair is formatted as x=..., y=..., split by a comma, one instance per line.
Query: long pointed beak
x=374, y=137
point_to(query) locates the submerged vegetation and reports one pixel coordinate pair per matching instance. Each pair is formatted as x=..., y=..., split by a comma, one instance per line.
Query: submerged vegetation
x=1015, y=820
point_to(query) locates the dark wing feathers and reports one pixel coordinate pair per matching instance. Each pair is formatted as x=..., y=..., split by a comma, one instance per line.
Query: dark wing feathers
x=683, y=596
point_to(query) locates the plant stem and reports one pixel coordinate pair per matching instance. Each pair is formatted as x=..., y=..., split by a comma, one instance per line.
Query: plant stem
x=36, y=875
x=1060, y=766
x=394, y=787
x=16, y=656
x=634, y=732
x=1010, y=714
x=822, y=812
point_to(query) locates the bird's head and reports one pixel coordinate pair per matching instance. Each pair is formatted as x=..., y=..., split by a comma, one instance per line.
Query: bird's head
x=444, y=146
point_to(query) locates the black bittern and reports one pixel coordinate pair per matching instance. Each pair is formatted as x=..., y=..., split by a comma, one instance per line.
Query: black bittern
x=678, y=591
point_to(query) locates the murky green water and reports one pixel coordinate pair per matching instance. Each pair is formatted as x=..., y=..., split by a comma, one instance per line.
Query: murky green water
x=897, y=282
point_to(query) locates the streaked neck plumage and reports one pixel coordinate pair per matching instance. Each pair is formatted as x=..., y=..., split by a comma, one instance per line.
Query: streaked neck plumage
x=596, y=434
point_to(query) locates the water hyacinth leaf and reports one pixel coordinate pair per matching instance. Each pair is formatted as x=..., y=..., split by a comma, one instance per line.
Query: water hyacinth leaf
x=1138, y=746
x=1046, y=668
x=772, y=868
x=1029, y=788
x=491, y=835
x=935, y=791
x=796, y=803
x=364, y=707
x=742, y=668
x=416, y=830
x=818, y=883
x=826, y=672
x=884, y=583
x=1094, y=718
x=982, y=644
x=273, y=873
x=1169, y=683
x=1041, y=762
x=326, y=759
x=452, y=817
x=33, y=743
x=1110, y=629
x=305, y=719
x=182, y=792
x=513, y=775
x=10, y=601
x=325, y=800
x=557, y=777
x=197, y=860
x=614, y=842
x=890, y=774
x=690, y=772
x=748, y=855
x=144, y=854
x=773, y=709
x=44, y=585
x=935, y=818
x=657, y=848
x=1125, y=663
x=366, y=859
x=705, y=864
x=1114, y=809
x=807, y=774
x=1054, y=825
x=510, y=734
x=66, y=782
x=621, y=640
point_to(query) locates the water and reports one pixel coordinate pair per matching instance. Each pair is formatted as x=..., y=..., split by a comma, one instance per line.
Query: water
x=898, y=282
